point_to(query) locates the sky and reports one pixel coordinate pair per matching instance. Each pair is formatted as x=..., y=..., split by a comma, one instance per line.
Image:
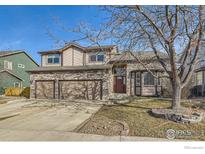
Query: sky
x=26, y=27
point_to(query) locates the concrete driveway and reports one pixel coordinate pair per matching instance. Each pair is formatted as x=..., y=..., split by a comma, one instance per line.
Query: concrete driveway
x=32, y=115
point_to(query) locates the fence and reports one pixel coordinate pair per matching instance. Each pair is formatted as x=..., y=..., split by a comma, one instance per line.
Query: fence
x=18, y=92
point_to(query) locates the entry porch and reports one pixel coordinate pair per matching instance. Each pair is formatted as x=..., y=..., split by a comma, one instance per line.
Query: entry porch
x=136, y=82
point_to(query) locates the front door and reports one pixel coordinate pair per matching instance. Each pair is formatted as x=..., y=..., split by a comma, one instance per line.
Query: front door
x=119, y=84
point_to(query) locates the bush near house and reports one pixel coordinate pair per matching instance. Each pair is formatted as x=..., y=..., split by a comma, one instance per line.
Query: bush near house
x=18, y=92
x=186, y=91
x=26, y=92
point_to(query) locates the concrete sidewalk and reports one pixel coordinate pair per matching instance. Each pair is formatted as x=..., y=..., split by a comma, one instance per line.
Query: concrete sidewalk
x=24, y=135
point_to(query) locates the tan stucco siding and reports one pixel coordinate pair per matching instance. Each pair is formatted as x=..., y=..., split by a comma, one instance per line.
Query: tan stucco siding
x=78, y=57
x=67, y=57
x=45, y=61
x=73, y=57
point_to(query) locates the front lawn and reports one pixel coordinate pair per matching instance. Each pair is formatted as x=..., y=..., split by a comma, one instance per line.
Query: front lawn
x=140, y=122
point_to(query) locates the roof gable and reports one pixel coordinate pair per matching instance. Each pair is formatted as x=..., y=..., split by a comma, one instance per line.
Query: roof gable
x=10, y=53
x=11, y=74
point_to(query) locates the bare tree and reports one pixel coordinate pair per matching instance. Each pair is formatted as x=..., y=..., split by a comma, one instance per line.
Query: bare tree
x=178, y=31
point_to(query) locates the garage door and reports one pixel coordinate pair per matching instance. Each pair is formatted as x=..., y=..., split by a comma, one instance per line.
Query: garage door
x=45, y=89
x=78, y=89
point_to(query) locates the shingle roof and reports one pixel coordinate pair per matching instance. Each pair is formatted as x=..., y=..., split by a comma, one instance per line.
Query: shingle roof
x=200, y=69
x=70, y=68
x=11, y=74
x=50, y=51
x=86, y=49
x=141, y=55
x=7, y=53
x=99, y=47
x=150, y=66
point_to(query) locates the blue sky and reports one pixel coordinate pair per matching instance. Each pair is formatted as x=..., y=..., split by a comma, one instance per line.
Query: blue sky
x=26, y=27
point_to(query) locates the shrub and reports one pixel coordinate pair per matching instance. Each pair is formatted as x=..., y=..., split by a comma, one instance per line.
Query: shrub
x=26, y=92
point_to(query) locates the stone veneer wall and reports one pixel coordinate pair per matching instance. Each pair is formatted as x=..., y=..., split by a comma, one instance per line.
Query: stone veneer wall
x=104, y=75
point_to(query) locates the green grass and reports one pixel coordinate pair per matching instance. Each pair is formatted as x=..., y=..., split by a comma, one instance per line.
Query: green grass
x=141, y=123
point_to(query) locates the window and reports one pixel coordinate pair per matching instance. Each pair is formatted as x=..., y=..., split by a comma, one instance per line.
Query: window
x=148, y=79
x=159, y=78
x=93, y=58
x=17, y=85
x=159, y=81
x=8, y=65
x=138, y=79
x=21, y=66
x=54, y=59
x=204, y=77
x=119, y=71
x=99, y=57
x=199, y=78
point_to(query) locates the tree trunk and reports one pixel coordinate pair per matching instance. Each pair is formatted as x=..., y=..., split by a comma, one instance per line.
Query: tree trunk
x=176, y=97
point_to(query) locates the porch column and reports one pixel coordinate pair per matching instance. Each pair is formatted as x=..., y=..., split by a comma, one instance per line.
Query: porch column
x=203, y=83
x=141, y=83
x=156, y=83
x=128, y=84
x=32, y=86
x=57, y=89
x=110, y=83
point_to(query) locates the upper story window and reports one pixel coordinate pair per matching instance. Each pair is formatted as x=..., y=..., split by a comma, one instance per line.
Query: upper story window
x=97, y=57
x=8, y=65
x=93, y=58
x=54, y=59
x=100, y=57
x=21, y=66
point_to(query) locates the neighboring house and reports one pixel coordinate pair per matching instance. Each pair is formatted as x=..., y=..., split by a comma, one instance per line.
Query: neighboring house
x=76, y=72
x=199, y=79
x=13, y=66
x=196, y=86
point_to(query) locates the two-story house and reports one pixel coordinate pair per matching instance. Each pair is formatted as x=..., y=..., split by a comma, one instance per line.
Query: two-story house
x=77, y=72
x=13, y=66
